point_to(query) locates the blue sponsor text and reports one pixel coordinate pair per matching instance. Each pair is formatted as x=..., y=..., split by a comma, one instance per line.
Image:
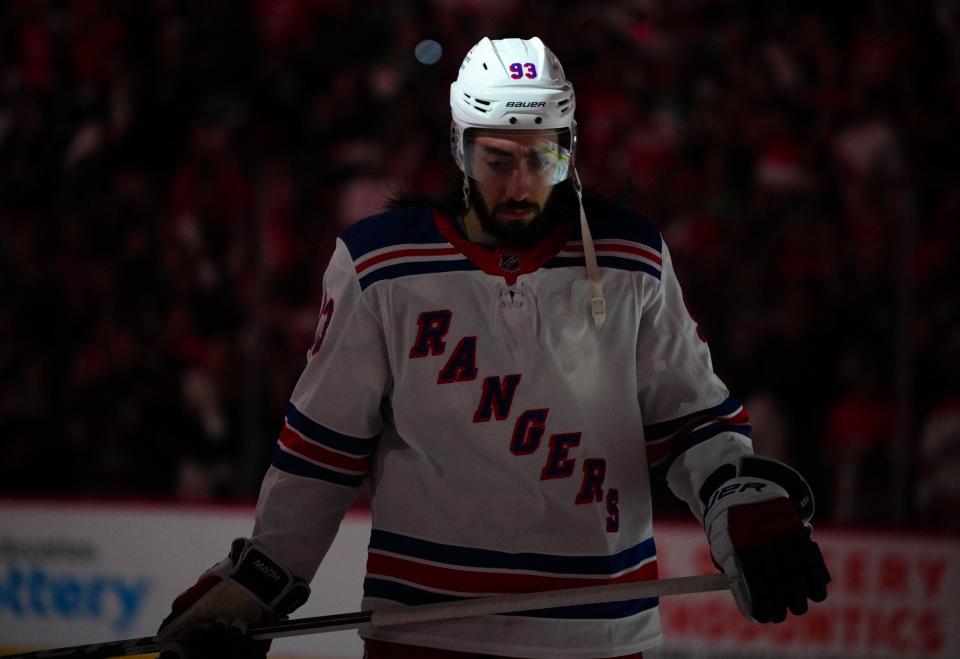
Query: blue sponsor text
x=34, y=591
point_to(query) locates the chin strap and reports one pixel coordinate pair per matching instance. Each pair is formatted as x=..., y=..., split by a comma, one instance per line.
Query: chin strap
x=598, y=304
x=466, y=194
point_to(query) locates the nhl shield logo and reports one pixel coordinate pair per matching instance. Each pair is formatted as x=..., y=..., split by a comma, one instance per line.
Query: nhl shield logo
x=509, y=262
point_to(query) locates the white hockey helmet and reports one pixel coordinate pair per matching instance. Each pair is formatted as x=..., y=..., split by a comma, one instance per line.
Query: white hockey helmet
x=518, y=85
x=513, y=85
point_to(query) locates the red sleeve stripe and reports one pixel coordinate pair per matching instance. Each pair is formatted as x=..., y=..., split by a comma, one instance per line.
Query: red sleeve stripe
x=702, y=427
x=293, y=442
x=738, y=416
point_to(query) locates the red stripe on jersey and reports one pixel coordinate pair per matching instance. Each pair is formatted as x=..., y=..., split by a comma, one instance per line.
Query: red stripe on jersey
x=663, y=447
x=645, y=252
x=293, y=441
x=402, y=253
x=459, y=580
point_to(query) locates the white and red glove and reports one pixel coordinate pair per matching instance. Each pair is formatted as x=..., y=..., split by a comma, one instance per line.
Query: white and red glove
x=757, y=518
x=210, y=619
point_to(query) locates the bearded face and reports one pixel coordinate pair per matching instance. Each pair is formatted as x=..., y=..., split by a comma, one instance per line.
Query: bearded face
x=519, y=188
x=524, y=223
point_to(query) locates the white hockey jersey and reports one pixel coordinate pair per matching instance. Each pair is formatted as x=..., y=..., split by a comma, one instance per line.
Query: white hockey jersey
x=509, y=442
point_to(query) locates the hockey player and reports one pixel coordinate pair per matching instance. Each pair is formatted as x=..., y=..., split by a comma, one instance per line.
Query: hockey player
x=510, y=374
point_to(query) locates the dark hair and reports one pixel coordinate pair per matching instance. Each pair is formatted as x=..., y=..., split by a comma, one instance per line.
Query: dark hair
x=405, y=196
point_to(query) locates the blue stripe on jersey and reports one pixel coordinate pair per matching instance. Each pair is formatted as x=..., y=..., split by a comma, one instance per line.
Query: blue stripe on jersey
x=694, y=438
x=612, y=262
x=489, y=558
x=655, y=431
x=409, y=595
x=293, y=464
x=403, y=226
x=565, y=262
x=415, y=268
x=356, y=446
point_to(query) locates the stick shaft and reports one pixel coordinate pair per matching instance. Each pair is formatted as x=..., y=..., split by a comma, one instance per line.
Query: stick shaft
x=405, y=615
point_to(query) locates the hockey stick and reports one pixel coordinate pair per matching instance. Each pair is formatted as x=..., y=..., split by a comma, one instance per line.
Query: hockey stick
x=405, y=615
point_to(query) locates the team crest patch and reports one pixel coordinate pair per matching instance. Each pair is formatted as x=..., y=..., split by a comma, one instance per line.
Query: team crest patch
x=510, y=262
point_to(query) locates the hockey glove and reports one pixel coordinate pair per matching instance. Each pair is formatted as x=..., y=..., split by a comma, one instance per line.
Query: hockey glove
x=757, y=518
x=210, y=619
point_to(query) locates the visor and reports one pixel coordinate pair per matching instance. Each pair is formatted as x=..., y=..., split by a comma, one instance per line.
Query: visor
x=541, y=158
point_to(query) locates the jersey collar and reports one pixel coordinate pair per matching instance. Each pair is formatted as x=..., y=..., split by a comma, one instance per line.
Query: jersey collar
x=504, y=261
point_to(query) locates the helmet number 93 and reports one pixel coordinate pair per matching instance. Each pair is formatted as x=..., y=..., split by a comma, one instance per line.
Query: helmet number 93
x=518, y=70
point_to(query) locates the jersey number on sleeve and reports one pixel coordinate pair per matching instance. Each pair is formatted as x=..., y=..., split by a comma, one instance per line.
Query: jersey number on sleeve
x=325, y=315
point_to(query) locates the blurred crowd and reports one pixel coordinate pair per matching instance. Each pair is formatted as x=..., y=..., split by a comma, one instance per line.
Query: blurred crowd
x=173, y=175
